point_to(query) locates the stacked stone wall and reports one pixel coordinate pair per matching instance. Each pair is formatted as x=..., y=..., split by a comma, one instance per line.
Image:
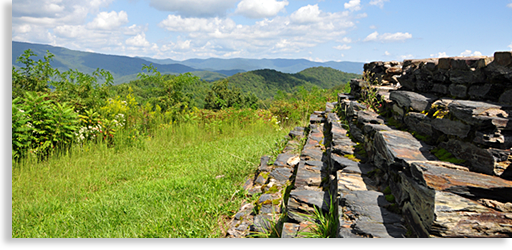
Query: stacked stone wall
x=459, y=105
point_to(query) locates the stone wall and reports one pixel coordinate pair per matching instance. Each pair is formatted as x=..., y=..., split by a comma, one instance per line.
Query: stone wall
x=461, y=105
x=434, y=159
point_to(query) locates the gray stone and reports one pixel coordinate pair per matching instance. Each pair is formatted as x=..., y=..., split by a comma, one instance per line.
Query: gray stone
x=364, y=117
x=298, y=132
x=310, y=174
x=282, y=159
x=343, y=146
x=264, y=164
x=316, y=119
x=503, y=58
x=479, y=160
x=371, y=218
x=290, y=230
x=478, y=92
x=340, y=162
x=419, y=122
x=396, y=147
x=442, y=202
x=262, y=223
x=458, y=90
x=304, y=202
x=451, y=127
x=281, y=175
x=481, y=114
x=506, y=97
x=412, y=100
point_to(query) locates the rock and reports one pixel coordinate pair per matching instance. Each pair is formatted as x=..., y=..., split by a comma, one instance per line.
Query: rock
x=503, y=58
x=316, y=119
x=419, y=122
x=339, y=162
x=479, y=160
x=371, y=218
x=310, y=174
x=442, y=202
x=304, y=202
x=458, y=90
x=364, y=117
x=296, y=133
x=353, y=178
x=263, y=164
x=412, y=100
x=281, y=175
x=290, y=230
x=506, y=97
x=396, y=147
x=451, y=127
x=354, y=107
x=282, y=160
x=343, y=146
x=262, y=223
x=481, y=114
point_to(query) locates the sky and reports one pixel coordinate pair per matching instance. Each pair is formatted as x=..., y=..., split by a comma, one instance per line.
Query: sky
x=318, y=30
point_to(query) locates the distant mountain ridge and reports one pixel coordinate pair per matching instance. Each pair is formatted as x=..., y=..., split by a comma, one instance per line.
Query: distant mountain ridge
x=290, y=66
x=125, y=69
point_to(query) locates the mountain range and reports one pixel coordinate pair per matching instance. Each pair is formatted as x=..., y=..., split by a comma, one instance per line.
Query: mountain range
x=125, y=69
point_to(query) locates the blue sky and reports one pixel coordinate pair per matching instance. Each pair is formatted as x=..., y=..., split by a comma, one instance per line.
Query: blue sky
x=318, y=30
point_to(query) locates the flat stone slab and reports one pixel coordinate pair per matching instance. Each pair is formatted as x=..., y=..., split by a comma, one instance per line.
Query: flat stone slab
x=412, y=100
x=304, y=202
x=396, y=146
x=444, y=202
x=282, y=160
x=368, y=215
x=354, y=178
x=310, y=174
x=312, y=154
x=314, y=118
x=281, y=175
x=482, y=114
x=340, y=162
x=290, y=230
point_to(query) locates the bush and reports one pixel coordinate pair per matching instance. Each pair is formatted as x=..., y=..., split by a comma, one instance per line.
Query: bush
x=41, y=126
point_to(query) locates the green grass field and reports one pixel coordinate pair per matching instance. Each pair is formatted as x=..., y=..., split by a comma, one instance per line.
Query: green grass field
x=184, y=182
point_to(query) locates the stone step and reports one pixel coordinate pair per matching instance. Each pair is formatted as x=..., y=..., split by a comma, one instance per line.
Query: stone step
x=437, y=199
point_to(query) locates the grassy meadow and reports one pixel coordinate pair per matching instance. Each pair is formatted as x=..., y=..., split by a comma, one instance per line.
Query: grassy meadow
x=139, y=160
x=182, y=182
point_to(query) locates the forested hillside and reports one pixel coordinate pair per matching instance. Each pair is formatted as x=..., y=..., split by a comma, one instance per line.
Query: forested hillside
x=266, y=83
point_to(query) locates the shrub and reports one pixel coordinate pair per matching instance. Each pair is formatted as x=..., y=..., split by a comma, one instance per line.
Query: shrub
x=41, y=126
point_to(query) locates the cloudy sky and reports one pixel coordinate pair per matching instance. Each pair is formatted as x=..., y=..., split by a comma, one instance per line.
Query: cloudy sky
x=319, y=30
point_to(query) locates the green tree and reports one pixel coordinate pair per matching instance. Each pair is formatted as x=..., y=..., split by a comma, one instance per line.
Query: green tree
x=222, y=96
x=34, y=75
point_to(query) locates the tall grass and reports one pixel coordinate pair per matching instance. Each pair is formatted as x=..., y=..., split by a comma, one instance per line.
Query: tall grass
x=181, y=182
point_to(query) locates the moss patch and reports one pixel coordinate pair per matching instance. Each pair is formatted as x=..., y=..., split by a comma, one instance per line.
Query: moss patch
x=446, y=156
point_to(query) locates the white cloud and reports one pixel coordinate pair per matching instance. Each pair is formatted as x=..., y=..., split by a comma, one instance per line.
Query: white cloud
x=195, y=8
x=439, y=55
x=509, y=5
x=387, y=37
x=373, y=27
x=409, y=56
x=345, y=40
x=193, y=24
x=303, y=29
x=342, y=47
x=379, y=3
x=109, y=20
x=470, y=53
x=306, y=14
x=386, y=53
x=260, y=8
x=353, y=5
x=139, y=40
